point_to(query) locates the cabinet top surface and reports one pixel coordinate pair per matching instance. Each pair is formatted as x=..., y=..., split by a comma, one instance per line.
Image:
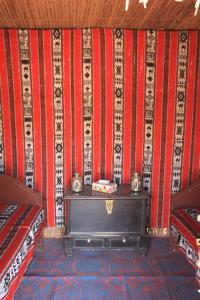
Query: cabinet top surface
x=123, y=192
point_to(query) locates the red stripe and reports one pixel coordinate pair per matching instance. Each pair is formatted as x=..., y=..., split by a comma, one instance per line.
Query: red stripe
x=78, y=102
x=170, y=127
x=49, y=127
x=13, y=285
x=14, y=48
x=196, y=152
x=6, y=229
x=11, y=101
x=157, y=127
x=103, y=80
x=96, y=104
x=67, y=106
x=17, y=241
x=31, y=217
x=11, y=221
x=134, y=96
x=128, y=62
x=183, y=230
x=108, y=102
x=194, y=224
x=164, y=126
x=140, y=101
x=5, y=108
x=27, y=220
x=43, y=116
x=72, y=102
x=189, y=108
x=67, y=112
x=36, y=108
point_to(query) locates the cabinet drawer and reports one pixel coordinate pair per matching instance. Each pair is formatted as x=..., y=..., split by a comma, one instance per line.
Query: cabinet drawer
x=87, y=243
x=124, y=243
x=107, y=242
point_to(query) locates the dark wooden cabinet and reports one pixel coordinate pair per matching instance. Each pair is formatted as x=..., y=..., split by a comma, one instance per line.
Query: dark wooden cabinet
x=104, y=220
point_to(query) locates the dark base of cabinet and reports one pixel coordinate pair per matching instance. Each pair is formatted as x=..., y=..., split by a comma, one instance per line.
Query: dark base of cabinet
x=135, y=243
x=106, y=221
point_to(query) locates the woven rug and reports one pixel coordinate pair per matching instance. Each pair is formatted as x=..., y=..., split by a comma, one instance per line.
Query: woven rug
x=108, y=274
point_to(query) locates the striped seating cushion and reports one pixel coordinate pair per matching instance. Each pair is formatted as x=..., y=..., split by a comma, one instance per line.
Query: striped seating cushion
x=185, y=228
x=30, y=216
x=20, y=227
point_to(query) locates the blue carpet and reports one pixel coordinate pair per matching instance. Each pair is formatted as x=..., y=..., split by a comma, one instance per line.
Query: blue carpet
x=104, y=274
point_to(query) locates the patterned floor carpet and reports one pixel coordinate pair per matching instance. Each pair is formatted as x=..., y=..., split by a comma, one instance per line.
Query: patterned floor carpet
x=108, y=275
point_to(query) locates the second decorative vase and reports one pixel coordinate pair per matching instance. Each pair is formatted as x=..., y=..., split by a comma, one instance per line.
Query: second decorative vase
x=77, y=183
x=136, y=182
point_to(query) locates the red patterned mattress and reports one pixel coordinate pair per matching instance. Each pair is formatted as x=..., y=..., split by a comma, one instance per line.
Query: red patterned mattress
x=185, y=229
x=20, y=228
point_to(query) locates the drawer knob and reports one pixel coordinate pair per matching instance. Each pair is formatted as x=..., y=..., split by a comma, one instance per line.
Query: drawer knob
x=124, y=240
x=88, y=240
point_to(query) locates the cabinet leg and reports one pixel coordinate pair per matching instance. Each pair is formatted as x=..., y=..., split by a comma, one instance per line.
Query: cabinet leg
x=145, y=245
x=68, y=246
x=106, y=242
x=68, y=252
x=144, y=252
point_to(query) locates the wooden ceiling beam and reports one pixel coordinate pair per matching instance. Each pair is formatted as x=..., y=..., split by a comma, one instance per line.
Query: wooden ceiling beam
x=159, y=14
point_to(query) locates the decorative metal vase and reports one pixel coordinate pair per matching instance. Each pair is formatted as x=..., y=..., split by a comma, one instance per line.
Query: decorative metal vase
x=77, y=183
x=136, y=182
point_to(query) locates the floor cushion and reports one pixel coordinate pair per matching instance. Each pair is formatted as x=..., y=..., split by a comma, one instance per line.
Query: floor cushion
x=185, y=230
x=30, y=216
x=20, y=228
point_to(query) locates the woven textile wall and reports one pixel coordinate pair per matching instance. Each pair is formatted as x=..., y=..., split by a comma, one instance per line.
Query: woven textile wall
x=103, y=103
